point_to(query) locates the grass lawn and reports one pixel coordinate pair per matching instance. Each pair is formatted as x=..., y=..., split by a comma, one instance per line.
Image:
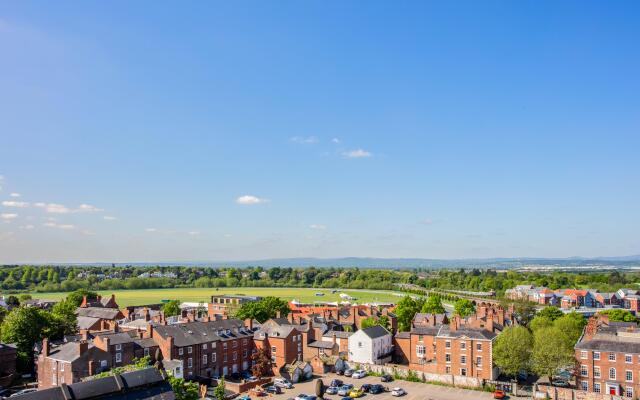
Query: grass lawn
x=150, y=296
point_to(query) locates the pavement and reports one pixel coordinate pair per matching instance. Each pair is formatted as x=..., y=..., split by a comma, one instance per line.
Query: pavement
x=415, y=390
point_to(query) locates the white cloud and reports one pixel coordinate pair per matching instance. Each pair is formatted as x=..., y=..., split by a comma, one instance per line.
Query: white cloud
x=17, y=204
x=193, y=233
x=8, y=216
x=54, y=208
x=151, y=230
x=109, y=218
x=250, y=200
x=305, y=139
x=65, y=227
x=27, y=227
x=358, y=153
x=335, y=140
x=318, y=227
x=14, y=194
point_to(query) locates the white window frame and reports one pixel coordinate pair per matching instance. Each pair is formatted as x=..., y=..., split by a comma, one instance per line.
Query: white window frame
x=146, y=351
x=626, y=375
x=190, y=362
x=612, y=357
x=204, y=346
x=180, y=351
x=463, y=359
x=479, y=361
x=628, y=392
x=596, y=372
x=205, y=360
x=614, y=375
x=420, y=350
x=596, y=355
x=596, y=387
x=213, y=357
x=584, y=370
x=118, y=357
x=447, y=357
x=118, y=347
x=584, y=355
x=584, y=386
x=628, y=358
x=189, y=349
x=478, y=346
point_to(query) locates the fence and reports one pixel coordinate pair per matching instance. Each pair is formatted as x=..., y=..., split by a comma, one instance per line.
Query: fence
x=404, y=372
x=558, y=393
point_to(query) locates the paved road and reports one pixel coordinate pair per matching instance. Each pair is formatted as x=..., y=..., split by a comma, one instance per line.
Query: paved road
x=415, y=390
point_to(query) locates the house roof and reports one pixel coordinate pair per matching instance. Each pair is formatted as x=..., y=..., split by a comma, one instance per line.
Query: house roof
x=119, y=337
x=86, y=322
x=466, y=331
x=375, y=331
x=320, y=344
x=192, y=333
x=276, y=327
x=338, y=334
x=70, y=352
x=98, y=312
x=145, y=384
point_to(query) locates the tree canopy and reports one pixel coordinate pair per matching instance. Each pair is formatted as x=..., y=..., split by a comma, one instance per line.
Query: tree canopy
x=619, y=315
x=263, y=310
x=406, y=310
x=551, y=312
x=433, y=305
x=464, y=307
x=512, y=350
x=551, y=352
x=171, y=308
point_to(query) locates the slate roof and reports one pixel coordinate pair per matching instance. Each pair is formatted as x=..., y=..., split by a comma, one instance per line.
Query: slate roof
x=465, y=331
x=192, y=333
x=338, y=334
x=146, y=342
x=375, y=331
x=145, y=384
x=623, y=337
x=426, y=330
x=320, y=344
x=119, y=337
x=98, y=312
x=278, y=327
x=424, y=318
x=86, y=322
x=70, y=352
x=403, y=335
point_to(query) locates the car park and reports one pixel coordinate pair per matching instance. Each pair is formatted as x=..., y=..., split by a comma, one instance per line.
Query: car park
x=348, y=372
x=356, y=392
x=346, y=398
x=345, y=389
x=336, y=383
x=386, y=378
x=366, y=387
x=332, y=390
x=303, y=396
x=359, y=374
x=397, y=392
x=499, y=394
x=273, y=389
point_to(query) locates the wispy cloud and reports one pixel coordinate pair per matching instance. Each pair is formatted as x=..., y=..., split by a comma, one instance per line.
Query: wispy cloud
x=109, y=218
x=54, y=208
x=248, y=200
x=358, y=153
x=14, y=194
x=427, y=221
x=17, y=204
x=8, y=216
x=27, y=227
x=305, y=139
x=317, y=227
x=335, y=140
x=193, y=233
x=151, y=230
x=65, y=227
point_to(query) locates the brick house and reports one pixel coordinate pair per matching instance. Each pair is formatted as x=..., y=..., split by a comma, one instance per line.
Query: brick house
x=608, y=358
x=125, y=347
x=282, y=340
x=70, y=362
x=207, y=349
x=226, y=304
x=94, y=319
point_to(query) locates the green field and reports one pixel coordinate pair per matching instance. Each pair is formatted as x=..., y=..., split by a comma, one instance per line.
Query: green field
x=151, y=296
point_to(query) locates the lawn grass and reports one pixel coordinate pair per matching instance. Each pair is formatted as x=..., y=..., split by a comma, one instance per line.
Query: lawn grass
x=151, y=296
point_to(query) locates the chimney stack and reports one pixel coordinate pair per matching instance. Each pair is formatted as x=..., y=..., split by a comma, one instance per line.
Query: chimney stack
x=145, y=313
x=248, y=323
x=83, y=346
x=84, y=334
x=45, y=347
x=453, y=326
x=277, y=314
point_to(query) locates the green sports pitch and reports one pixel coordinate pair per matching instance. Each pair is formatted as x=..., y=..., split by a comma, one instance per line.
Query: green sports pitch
x=303, y=295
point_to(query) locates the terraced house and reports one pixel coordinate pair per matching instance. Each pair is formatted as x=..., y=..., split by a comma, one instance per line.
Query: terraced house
x=206, y=349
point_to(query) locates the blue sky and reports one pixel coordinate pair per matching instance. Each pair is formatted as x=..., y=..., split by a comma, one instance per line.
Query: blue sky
x=247, y=130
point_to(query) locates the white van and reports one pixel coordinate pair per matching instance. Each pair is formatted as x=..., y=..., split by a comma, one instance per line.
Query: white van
x=283, y=383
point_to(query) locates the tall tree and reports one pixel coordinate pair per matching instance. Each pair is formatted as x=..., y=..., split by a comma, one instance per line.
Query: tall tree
x=551, y=352
x=406, y=310
x=551, y=312
x=171, y=308
x=25, y=326
x=262, y=363
x=433, y=305
x=512, y=350
x=464, y=307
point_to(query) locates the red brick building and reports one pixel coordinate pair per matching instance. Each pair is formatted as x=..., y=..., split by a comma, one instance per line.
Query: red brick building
x=282, y=340
x=608, y=357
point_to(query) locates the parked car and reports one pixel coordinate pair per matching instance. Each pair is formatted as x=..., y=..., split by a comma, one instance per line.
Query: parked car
x=359, y=374
x=560, y=383
x=273, y=389
x=336, y=383
x=366, y=387
x=339, y=372
x=332, y=390
x=386, y=378
x=244, y=397
x=376, y=388
x=499, y=394
x=346, y=398
x=283, y=383
x=348, y=372
x=397, y=392
x=303, y=396
x=345, y=389
x=246, y=375
x=356, y=392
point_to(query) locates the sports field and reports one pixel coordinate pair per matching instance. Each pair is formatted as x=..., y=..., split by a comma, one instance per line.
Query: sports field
x=305, y=295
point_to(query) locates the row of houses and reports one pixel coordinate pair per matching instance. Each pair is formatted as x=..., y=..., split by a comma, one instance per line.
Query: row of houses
x=575, y=298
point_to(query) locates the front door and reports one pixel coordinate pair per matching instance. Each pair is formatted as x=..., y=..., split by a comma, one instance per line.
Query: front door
x=613, y=391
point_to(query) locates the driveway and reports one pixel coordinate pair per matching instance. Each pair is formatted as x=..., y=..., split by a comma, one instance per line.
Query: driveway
x=415, y=390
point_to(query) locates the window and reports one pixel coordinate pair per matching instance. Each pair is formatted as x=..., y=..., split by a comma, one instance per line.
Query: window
x=583, y=355
x=54, y=378
x=118, y=357
x=420, y=338
x=190, y=350
x=463, y=359
x=628, y=392
x=596, y=372
x=213, y=357
x=463, y=372
x=204, y=359
x=612, y=356
x=180, y=351
x=479, y=346
x=299, y=338
x=204, y=346
x=273, y=359
x=359, y=344
x=273, y=349
x=294, y=338
x=612, y=373
x=447, y=370
x=244, y=342
x=463, y=345
x=628, y=358
x=103, y=363
x=596, y=355
x=299, y=347
x=244, y=353
x=584, y=385
x=420, y=350
x=629, y=376
x=118, y=347
x=596, y=387
x=584, y=371
x=447, y=357
x=146, y=351
x=479, y=361
x=224, y=345
x=61, y=367
x=235, y=355
x=235, y=343
x=447, y=344
x=190, y=362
